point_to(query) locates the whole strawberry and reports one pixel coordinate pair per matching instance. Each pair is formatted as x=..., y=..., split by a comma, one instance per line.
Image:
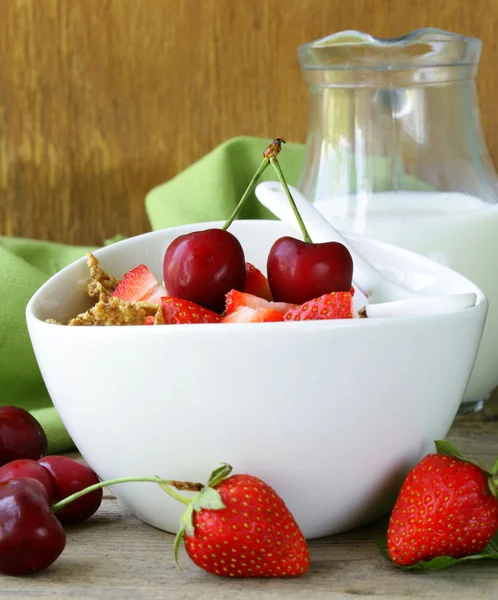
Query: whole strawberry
x=447, y=506
x=240, y=527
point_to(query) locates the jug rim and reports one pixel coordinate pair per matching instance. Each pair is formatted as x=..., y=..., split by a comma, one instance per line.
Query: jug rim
x=421, y=48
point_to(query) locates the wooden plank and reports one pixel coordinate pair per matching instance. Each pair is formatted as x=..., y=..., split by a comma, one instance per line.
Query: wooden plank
x=117, y=557
x=100, y=100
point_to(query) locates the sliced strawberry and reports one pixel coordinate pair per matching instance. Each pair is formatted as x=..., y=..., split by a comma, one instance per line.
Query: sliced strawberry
x=236, y=300
x=140, y=285
x=337, y=305
x=178, y=311
x=149, y=320
x=256, y=283
x=245, y=314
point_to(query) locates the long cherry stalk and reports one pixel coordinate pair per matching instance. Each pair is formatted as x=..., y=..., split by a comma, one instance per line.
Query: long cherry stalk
x=269, y=154
x=164, y=483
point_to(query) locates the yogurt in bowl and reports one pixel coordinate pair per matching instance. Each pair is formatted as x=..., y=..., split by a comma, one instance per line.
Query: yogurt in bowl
x=332, y=414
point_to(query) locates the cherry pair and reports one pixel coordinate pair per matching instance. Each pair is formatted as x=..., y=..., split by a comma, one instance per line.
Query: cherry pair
x=23, y=446
x=31, y=528
x=31, y=532
x=61, y=477
x=203, y=266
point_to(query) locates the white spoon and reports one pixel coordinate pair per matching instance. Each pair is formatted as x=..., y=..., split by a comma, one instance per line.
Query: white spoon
x=380, y=296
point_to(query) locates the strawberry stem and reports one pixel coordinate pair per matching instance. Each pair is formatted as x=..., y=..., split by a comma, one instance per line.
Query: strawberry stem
x=281, y=178
x=250, y=188
x=164, y=483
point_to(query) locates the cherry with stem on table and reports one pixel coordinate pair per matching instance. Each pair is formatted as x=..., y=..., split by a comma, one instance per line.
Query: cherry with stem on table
x=69, y=476
x=31, y=535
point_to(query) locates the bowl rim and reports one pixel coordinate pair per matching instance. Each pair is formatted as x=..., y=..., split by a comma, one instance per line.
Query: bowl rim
x=33, y=319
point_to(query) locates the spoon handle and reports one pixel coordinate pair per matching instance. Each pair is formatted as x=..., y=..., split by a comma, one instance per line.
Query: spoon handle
x=366, y=277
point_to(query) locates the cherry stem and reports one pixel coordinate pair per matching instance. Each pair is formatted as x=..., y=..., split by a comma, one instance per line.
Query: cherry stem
x=281, y=178
x=252, y=184
x=184, y=485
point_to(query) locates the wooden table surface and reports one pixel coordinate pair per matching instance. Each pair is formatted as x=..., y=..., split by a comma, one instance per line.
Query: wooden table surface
x=116, y=556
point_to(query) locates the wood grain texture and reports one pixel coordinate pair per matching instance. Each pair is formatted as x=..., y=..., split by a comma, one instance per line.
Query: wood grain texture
x=100, y=100
x=117, y=557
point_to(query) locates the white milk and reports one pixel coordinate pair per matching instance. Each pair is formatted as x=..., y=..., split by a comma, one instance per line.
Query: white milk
x=455, y=229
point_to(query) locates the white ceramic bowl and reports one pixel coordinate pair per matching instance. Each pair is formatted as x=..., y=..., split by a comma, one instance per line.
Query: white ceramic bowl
x=332, y=414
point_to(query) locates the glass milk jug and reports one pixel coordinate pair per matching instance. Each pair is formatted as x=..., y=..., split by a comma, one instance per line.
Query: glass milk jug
x=395, y=151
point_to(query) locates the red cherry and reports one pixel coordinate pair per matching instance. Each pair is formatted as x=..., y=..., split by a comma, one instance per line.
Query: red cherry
x=203, y=266
x=68, y=477
x=25, y=467
x=21, y=436
x=299, y=271
x=31, y=538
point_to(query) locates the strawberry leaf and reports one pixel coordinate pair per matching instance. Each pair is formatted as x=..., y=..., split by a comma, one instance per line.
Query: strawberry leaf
x=219, y=474
x=187, y=521
x=208, y=499
x=442, y=562
x=494, y=468
x=447, y=448
x=186, y=528
x=176, y=546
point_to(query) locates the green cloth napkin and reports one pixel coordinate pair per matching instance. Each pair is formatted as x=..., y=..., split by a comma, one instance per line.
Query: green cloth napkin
x=24, y=266
x=207, y=190
x=210, y=189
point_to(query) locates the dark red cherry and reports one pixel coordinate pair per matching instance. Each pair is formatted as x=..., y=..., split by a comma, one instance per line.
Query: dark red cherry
x=31, y=538
x=25, y=467
x=203, y=266
x=299, y=271
x=68, y=477
x=21, y=436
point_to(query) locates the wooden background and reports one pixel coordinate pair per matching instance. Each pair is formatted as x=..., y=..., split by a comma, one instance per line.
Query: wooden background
x=100, y=100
